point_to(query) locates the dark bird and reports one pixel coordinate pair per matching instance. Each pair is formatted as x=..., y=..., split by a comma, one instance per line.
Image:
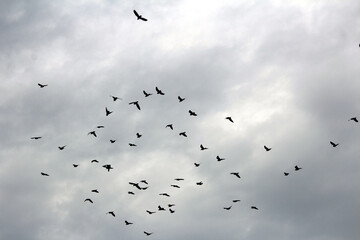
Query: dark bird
x=230, y=119
x=147, y=233
x=107, y=112
x=139, y=17
x=181, y=99
x=171, y=205
x=35, y=138
x=75, y=165
x=333, y=144
x=354, y=119
x=169, y=126
x=100, y=126
x=164, y=194
x=95, y=191
x=175, y=186
x=92, y=133
x=236, y=200
x=297, y=168
x=112, y=141
x=160, y=208
x=42, y=85
x=236, y=174
x=44, y=174
x=131, y=193
x=197, y=164
x=147, y=94
x=183, y=134
x=62, y=147
x=108, y=167
x=138, y=135
x=89, y=200
x=115, y=98
x=179, y=179
x=192, y=113
x=94, y=161
x=132, y=145
x=267, y=149
x=144, y=181
x=202, y=147
x=149, y=212
x=111, y=213
x=144, y=188
x=286, y=173
x=227, y=208
x=219, y=159
x=172, y=211
x=128, y=223
x=253, y=207
x=135, y=185
x=199, y=183
x=158, y=91
x=136, y=103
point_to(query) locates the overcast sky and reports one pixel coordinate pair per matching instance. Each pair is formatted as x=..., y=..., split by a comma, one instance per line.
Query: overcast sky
x=285, y=71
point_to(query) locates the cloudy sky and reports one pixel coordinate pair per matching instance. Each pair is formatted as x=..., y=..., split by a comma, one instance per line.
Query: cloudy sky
x=285, y=71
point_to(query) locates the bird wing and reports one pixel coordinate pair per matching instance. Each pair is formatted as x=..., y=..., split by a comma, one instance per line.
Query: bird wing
x=137, y=105
x=136, y=14
x=144, y=19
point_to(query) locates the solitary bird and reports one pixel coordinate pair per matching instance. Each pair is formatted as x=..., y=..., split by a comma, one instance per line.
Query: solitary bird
x=108, y=167
x=164, y=194
x=150, y=212
x=44, y=174
x=131, y=193
x=297, y=168
x=111, y=213
x=147, y=233
x=183, y=134
x=42, y=85
x=227, y=208
x=171, y=211
x=181, y=99
x=138, y=135
x=333, y=144
x=107, y=112
x=354, y=119
x=197, y=164
x=236, y=200
x=92, y=133
x=179, y=179
x=202, y=147
x=112, y=140
x=147, y=94
x=230, y=119
x=35, y=138
x=192, y=113
x=100, y=126
x=135, y=185
x=132, y=145
x=267, y=148
x=128, y=223
x=95, y=191
x=75, y=165
x=139, y=17
x=170, y=126
x=219, y=159
x=253, y=207
x=236, y=174
x=89, y=200
x=158, y=91
x=94, y=161
x=144, y=181
x=286, y=173
x=171, y=205
x=144, y=188
x=160, y=208
x=175, y=186
x=136, y=103
x=115, y=98
x=199, y=183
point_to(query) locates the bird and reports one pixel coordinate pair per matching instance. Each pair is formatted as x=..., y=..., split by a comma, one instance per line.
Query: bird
x=175, y=186
x=107, y=112
x=128, y=223
x=181, y=99
x=297, y=168
x=267, y=149
x=136, y=103
x=199, y=183
x=75, y=165
x=149, y=212
x=227, y=208
x=144, y=188
x=164, y=194
x=89, y=200
x=111, y=213
x=183, y=134
x=170, y=126
x=94, y=161
x=202, y=147
x=253, y=207
x=115, y=98
x=147, y=233
x=147, y=94
x=353, y=119
x=236, y=200
x=171, y=211
x=42, y=85
x=158, y=91
x=92, y=133
x=112, y=140
x=95, y=191
x=171, y=205
x=138, y=135
x=286, y=173
x=197, y=164
x=135, y=185
x=219, y=159
x=230, y=119
x=100, y=126
x=236, y=174
x=160, y=208
x=333, y=144
x=131, y=193
x=132, y=145
x=139, y=17
x=192, y=113
x=179, y=179
x=108, y=167
x=35, y=138
x=44, y=174
x=144, y=181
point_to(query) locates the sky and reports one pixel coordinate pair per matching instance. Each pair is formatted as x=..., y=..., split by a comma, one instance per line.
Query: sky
x=285, y=71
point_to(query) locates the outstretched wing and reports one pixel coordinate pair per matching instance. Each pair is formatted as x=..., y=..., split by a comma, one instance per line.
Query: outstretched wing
x=136, y=14
x=144, y=19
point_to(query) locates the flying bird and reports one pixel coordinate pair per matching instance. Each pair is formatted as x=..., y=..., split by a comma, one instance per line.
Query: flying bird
x=149, y=212
x=183, y=134
x=181, y=99
x=171, y=211
x=354, y=119
x=144, y=181
x=175, y=186
x=132, y=145
x=197, y=164
x=138, y=135
x=236, y=200
x=267, y=149
x=164, y=194
x=89, y=200
x=236, y=174
x=107, y=112
x=169, y=126
x=160, y=208
x=115, y=98
x=253, y=207
x=44, y=174
x=144, y=188
x=139, y=17
x=128, y=223
x=112, y=141
x=179, y=179
x=227, y=208
x=100, y=126
x=286, y=173
x=92, y=133
x=192, y=113
x=171, y=205
x=35, y=138
x=158, y=91
x=111, y=213
x=219, y=159
x=199, y=183
x=136, y=103
x=230, y=119
x=297, y=168
x=95, y=191
x=147, y=233
x=94, y=161
x=135, y=185
x=42, y=85
x=75, y=165
x=202, y=147
x=108, y=167
x=131, y=193
x=147, y=94
x=333, y=144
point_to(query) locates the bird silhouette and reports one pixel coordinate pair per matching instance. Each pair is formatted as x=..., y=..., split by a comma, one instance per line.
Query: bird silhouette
x=253, y=207
x=158, y=91
x=150, y=212
x=144, y=181
x=89, y=200
x=44, y=174
x=183, y=134
x=230, y=119
x=171, y=205
x=92, y=133
x=192, y=113
x=108, y=167
x=171, y=211
x=181, y=99
x=227, y=208
x=115, y=98
x=333, y=144
x=132, y=145
x=138, y=135
x=135, y=185
x=136, y=103
x=148, y=233
x=131, y=193
x=297, y=168
x=95, y=191
x=160, y=208
x=353, y=119
x=236, y=200
x=107, y=112
x=144, y=188
x=175, y=186
x=94, y=161
x=286, y=173
x=112, y=140
x=128, y=223
x=197, y=164
x=111, y=213
x=202, y=147
x=179, y=179
x=219, y=159
x=164, y=194
x=62, y=147
x=169, y=126
x=42, y=85
x=139, y=17
x=100, y=126
x=35, y=138
x=199, y=183
x=75, y=165
x=236, y=174
x=267, y=149
x=147, y=94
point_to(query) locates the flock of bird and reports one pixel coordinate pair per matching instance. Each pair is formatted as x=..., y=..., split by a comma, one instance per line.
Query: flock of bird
x=143, y=184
